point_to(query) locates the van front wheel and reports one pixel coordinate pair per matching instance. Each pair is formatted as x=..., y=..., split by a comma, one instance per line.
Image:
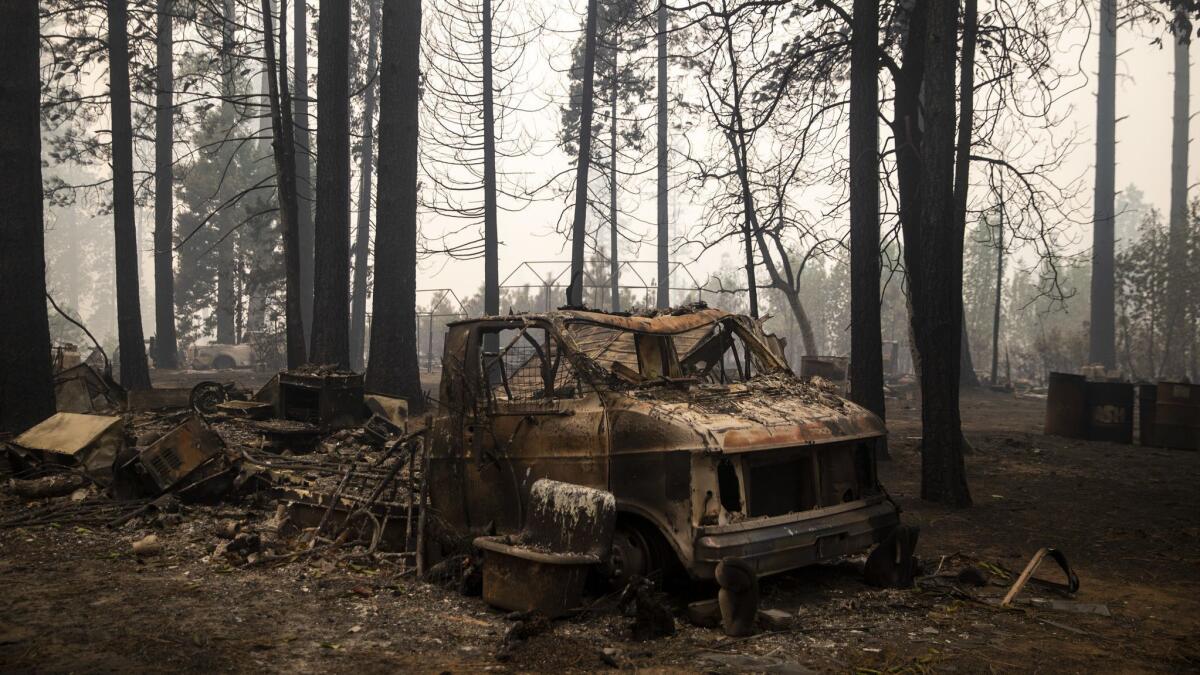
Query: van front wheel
x=635, y=553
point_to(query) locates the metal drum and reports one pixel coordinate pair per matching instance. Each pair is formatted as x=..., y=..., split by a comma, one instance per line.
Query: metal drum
x=1066, y=406
x=1177, y=416
x=1110, y=411
x=1147, y=396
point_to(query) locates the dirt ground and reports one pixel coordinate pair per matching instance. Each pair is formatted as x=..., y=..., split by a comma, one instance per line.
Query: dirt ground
x=75, y=598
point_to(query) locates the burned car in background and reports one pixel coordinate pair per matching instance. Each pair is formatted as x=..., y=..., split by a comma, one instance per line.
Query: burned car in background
x=258, y=349
x=693, y=420
x=219, y=356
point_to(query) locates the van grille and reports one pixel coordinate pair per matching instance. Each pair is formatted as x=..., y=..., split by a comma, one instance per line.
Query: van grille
x=798, y=479
x=779, y=487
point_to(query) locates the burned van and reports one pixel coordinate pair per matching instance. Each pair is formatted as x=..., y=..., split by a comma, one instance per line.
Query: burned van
x=712, y=447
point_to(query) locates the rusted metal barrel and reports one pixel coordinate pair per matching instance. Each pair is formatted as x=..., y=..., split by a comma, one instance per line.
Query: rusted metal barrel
x=1147, y=396
x=1110, y=411
x=1066, y=406
x=1177, y=416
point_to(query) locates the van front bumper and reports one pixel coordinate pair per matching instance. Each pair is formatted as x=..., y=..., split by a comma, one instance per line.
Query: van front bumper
x=782, y=543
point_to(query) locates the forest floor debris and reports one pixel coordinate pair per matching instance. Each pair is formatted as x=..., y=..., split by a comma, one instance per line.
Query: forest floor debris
x=211, y=601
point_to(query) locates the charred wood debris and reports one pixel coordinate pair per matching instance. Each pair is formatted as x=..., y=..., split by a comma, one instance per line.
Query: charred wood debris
x=309, y=469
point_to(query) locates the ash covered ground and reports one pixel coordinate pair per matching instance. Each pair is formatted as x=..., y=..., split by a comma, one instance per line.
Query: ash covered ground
x=75, y=597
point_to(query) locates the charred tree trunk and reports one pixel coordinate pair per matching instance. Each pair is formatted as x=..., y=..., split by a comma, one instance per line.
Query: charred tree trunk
x=164, y=192
x=937, y=275
x=1102, y=340
x=999, y=287
x=1179, y=319
x=614, y=273
x=134, y=372
x=906, y=129
x=586, y=109
x=227, y=296
x=303, y=160
x=664, y=263
x=362, y=244
x=491, y=244
x=966, y=363
x=331, y=251
x=807, y=337
x=962, y=167
x=923, y=128
x=26, y=388
x=284, y=146
x=866, y=330
x=394, y=368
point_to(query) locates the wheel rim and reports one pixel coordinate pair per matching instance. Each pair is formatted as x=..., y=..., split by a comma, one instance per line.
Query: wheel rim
x=632, y=556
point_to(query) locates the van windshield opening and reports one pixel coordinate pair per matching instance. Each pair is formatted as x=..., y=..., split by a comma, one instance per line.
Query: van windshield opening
x=716, y=353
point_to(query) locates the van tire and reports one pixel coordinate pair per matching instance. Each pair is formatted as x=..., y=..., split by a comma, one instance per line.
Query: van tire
x=638, y=550
x=223, y=362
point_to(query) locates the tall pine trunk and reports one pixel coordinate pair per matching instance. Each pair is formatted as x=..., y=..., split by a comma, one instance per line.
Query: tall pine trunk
x=284, y=147
x=491, y=246
x=614, y=264
x=664, y=269
x=999, y=288
x=584, y=158
x=866, y=332
x=331, y=250
x=1102, y=342
x=164, y=192
x=26, y=389
x=1179, y=319
x=962, y=166
x=362, y=243
x=227, y=296
x=134, y=372
x=303, y=160
x=393, y=368
x=923, y=126
x=937, y=276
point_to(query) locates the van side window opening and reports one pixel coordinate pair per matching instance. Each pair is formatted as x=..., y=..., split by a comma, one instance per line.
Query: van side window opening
x=529, y=365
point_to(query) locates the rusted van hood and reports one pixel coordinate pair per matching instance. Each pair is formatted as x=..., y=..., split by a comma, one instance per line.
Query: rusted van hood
x=770, y=412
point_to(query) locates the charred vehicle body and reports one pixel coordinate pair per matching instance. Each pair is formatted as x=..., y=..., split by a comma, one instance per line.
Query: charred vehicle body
x=712, y=447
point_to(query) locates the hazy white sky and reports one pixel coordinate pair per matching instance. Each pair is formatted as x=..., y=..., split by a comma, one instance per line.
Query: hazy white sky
x=1144, y=95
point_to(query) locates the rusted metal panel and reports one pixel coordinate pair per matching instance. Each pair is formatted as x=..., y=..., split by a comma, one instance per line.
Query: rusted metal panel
x=1147, y=401
x=180, y=452
x=1110, y=411
x=1066, y=406
x=332, y=400
x=1177, y=415
x=89, y=441
x=81, y=389
x=254, y=410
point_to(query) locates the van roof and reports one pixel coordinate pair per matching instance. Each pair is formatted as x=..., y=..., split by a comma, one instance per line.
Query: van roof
x=661, y=322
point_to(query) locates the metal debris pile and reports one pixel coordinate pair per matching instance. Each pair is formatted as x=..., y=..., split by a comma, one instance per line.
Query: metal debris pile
x=340, y=468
